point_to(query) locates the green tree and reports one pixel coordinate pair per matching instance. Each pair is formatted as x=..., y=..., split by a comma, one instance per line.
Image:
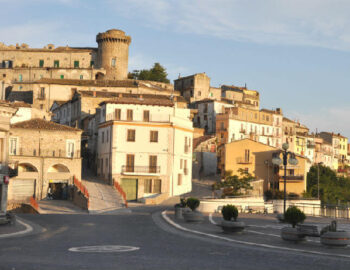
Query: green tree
x=234, y=184
x=157, y=73
x=333, y=189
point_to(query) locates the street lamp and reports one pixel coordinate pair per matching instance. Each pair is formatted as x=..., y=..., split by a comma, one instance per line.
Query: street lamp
x=276, y=160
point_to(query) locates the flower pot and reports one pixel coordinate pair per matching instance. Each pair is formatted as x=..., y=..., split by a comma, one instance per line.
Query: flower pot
x=230, y=226
x=193, y=216
x=291, y=234
x=178, y=212
x=336, y=239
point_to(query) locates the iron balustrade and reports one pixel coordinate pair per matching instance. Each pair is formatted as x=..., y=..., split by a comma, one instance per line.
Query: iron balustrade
x=140, y=169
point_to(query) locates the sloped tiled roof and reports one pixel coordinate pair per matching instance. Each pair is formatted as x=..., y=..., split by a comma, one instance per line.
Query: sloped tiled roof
x=42, y=125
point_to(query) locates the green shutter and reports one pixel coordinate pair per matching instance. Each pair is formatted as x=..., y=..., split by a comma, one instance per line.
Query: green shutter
x=76, y=64
x=41, y=63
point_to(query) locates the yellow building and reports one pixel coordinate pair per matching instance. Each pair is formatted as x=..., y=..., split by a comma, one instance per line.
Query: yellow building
x=256, y=158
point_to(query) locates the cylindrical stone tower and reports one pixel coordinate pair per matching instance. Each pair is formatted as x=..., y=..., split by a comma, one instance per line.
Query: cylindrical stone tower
x=113, y=54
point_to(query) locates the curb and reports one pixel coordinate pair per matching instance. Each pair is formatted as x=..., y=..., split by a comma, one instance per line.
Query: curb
x=28, y=229
x=213, y=236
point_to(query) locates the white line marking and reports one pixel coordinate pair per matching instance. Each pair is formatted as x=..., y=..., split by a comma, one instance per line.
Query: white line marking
x=167, y=219
x=28, y=229
x=103, y=249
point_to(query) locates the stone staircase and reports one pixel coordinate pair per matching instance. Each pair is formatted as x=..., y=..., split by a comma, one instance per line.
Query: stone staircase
x=103, y=198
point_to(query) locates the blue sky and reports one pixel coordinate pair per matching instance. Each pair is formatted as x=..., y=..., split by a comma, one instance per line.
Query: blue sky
x=296, y=53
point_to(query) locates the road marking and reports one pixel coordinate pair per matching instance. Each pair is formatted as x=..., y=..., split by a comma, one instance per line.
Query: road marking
x=167, y=219
x=103, y=249
x=27, y=229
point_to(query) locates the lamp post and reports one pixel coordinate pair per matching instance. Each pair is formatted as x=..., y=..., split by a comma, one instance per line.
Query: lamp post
x=276, y=160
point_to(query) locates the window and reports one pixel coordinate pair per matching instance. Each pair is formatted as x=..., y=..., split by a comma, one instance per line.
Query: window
x=246, y=170
x=154, y=136
x=148, y=186
x=107, y=135
x=81, y=77
x=180, y=163
x=146, y=116
x=152, y=164
x=129, y=115
x=56, y=64
x=70, y=148
x=42, y=92
x=76, y=64
x=92, y=63
x=41, y=106
x=41, y=63
x=222, y=125
x=103, y=137
x=117, y=114
x=246, y=155
x=267, y=118
x=62, y=76
x=113, y=63
x=199, y=93
x=131, y=135
x=13, y=146
x=291, y=172
x=20, y=77
x=179, y=179
x=130, y=159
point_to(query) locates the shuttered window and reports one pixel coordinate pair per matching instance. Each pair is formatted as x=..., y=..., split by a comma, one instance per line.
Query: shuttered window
x=154, y=136
x=131, y=135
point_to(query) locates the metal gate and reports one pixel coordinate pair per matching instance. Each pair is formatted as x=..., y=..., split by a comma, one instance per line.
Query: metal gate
x=21, y=189
x=129, y=186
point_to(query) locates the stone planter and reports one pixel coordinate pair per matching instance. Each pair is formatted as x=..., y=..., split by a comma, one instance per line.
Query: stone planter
x=291, y=234
x=179, y=211
x=336, y=239
x=232, y=226
x=193, y=216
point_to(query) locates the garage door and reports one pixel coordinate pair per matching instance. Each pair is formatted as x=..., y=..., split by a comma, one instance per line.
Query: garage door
x=21, y=189
x=130, y=188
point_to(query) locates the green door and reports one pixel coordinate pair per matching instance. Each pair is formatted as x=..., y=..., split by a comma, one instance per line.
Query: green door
x=130, y=188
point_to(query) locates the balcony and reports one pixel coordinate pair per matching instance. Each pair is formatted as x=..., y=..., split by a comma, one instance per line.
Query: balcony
x=242, y=130
x=241, y=160
x=41, y=96
x=293, y=177
x=187, y=149
x=155, y=118
x=134, y=170
x=311, y=145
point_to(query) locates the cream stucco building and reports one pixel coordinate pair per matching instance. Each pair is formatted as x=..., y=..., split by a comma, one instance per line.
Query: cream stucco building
x=145, y=144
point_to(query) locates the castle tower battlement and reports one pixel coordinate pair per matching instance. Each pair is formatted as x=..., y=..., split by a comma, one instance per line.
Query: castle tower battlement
x=113, y=53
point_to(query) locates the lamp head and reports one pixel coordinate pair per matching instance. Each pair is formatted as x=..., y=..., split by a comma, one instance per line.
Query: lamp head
x=285, y=146
x=293, y=160
x=276, y=160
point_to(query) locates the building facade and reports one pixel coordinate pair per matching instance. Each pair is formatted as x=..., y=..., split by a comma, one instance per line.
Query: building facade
x=48, y=156
x=145, y=144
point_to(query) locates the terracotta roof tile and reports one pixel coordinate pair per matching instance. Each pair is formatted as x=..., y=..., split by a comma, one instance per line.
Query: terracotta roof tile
x=43, y=125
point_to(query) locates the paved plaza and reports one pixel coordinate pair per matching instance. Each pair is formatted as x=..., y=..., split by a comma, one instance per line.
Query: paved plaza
x=149, y=237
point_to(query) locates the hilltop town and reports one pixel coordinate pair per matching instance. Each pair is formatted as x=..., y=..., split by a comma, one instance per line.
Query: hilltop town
x=70, y=115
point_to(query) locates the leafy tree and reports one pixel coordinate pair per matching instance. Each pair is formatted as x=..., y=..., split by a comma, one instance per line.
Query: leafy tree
x=234, y=184
x=157, y=73
x=333, y=189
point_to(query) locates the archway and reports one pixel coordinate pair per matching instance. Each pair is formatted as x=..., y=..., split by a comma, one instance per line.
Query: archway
x=58, y=168
x=26, y=167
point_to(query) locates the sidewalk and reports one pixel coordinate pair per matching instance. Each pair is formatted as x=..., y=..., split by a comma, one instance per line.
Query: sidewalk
x=261, y=231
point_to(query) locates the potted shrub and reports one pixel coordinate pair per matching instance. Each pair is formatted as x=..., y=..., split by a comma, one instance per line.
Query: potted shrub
x=330, y=236
x=230, y=224
x=179, y=207
x=194, y=215
x=293, y=216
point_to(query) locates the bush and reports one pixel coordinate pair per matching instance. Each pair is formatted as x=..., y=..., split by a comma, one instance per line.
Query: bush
x=294, y=216
x=192, y=203
x=229, y=211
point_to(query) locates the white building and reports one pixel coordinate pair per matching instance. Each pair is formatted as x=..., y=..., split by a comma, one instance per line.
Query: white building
x=145, y=144
x=207, y=111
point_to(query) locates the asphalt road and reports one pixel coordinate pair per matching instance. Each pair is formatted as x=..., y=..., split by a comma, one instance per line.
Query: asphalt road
x=160, y=247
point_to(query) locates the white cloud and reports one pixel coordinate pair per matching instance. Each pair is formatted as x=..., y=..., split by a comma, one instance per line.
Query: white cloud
x=334, y=119
x=322, y=23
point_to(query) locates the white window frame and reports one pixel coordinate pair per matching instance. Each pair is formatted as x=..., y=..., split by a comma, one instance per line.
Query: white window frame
x=69, y=153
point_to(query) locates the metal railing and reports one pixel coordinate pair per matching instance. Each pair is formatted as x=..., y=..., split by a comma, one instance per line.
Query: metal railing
x=140, y=169
x=158, y=118
x=241, y=160
x=44, y=153
x=293, y=177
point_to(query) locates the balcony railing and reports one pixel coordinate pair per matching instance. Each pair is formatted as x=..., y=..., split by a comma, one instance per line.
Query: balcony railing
x=310, y=145
x=41, y=96
x=187, y=149
x=35, y=152
x=158, y=118
x=293, y=177
x=241, y=160
x=140, y=169
x=242, y=130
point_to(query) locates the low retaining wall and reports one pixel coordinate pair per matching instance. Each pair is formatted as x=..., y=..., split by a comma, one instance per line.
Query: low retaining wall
x=309, y=207
x=80, y=200
x=155, y=200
